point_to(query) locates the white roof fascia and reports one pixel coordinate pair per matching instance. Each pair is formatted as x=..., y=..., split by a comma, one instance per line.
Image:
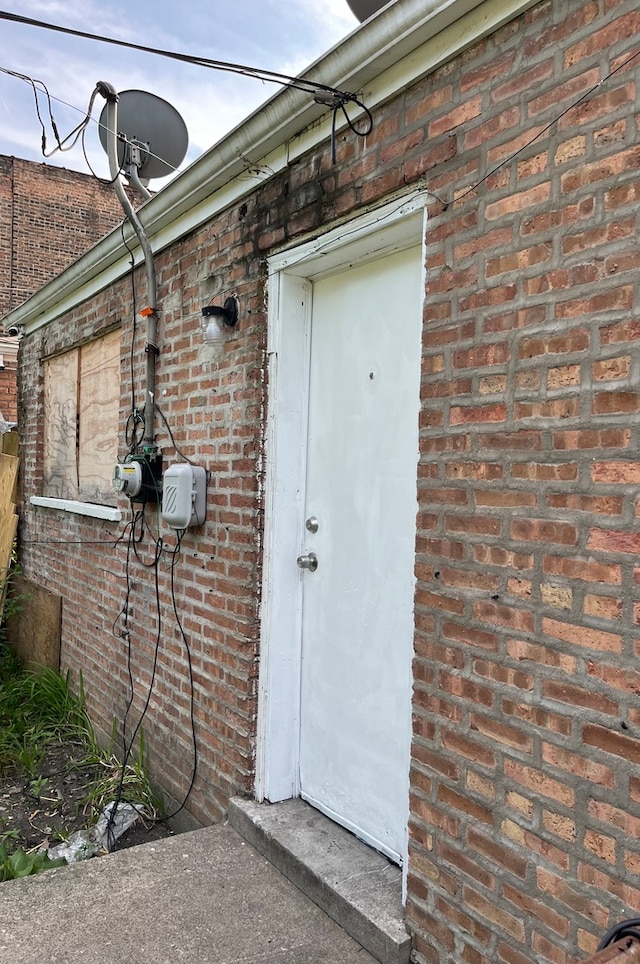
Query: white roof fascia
x=9, y=348
x=403, y=42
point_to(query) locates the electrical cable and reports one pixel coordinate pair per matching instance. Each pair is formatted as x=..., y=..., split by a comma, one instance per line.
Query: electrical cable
x=58, y=100
x=173, y=441
x=77, y=542
x=194, y=770
x=77, y=132
x=548, y=126
x=358, y=133
x=39, y=86
x=128, y=748
x=299, y=83
x=626, y=928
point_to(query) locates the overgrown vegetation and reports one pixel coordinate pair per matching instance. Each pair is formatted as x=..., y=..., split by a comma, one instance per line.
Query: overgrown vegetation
x=47, y=745
x=36, y=710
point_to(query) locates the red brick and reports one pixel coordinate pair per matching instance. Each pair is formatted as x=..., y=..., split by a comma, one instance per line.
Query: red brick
x=541, y=530
x=615, y=402
x=615, y=744
x=609, y=540
x=517, y=202
x=507, y=616
x=579, y=568
x=579, y=635
x=460, y=114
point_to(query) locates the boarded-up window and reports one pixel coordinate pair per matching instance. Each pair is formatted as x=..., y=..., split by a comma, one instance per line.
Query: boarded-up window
x=81, y=405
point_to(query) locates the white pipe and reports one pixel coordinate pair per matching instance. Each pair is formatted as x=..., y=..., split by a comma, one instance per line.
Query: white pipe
x=108, y=92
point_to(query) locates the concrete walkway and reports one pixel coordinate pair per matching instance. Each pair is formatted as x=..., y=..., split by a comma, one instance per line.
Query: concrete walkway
x=204, y=897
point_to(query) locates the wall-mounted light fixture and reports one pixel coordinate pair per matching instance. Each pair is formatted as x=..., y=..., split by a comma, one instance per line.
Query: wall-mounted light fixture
x=217, y=318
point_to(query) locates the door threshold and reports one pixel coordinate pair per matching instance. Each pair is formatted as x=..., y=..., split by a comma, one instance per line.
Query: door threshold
x=356, y=886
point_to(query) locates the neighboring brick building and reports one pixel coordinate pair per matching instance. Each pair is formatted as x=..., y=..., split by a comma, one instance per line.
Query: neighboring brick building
x=48, y=217
x=516, y=129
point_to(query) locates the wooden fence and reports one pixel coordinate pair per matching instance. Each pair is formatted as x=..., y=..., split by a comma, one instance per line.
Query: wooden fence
x=9, y=464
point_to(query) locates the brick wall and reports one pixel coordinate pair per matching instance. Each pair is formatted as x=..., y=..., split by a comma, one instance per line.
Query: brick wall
x=212, y=399
x=48, y=217
x=525, y=788
x=525, y=792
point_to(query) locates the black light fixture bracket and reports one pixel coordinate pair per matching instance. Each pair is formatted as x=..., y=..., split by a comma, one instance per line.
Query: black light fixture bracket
x=227, y=313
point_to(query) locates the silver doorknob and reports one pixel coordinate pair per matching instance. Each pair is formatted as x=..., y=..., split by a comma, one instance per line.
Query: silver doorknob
x=310, y=562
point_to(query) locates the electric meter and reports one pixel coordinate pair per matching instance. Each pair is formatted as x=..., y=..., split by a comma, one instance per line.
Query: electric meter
x=127, y=478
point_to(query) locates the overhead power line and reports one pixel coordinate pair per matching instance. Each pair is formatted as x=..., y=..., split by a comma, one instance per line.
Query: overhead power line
x=323, y=94
x=309, y=86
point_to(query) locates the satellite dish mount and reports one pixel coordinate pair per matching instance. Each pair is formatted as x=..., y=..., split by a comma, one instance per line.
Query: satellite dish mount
x=144, y=137
x=150, y=135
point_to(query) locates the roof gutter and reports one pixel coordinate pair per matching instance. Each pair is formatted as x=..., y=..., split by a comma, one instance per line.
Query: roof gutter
x=394, y=33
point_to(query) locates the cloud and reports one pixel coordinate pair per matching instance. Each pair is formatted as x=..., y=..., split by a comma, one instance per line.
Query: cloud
x=281, y=35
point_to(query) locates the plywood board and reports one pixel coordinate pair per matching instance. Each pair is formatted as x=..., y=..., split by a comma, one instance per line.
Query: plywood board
x=99, y=414
x=8, y=526
x=9, y=466
x=60, y=420
x=10, y=443
x=34, y=631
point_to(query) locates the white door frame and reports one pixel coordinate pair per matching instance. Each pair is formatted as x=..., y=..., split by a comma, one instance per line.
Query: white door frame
x=399, y=224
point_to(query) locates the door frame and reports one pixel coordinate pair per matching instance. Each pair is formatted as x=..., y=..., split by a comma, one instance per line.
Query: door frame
x=395, y=226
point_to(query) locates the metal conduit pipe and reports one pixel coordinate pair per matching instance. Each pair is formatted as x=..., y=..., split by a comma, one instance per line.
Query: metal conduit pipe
x=108, y=91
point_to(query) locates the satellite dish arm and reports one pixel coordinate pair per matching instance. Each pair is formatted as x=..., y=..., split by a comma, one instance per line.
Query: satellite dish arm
x=134, y=177
x=107, y=91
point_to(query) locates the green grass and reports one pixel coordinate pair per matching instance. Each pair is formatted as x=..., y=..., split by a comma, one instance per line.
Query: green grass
x=37, y=710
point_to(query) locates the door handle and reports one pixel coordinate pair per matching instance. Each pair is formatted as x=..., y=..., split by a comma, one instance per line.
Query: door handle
x=310, y=562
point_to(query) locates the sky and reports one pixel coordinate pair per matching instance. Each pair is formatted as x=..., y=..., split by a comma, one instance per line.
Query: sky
x=280, y=35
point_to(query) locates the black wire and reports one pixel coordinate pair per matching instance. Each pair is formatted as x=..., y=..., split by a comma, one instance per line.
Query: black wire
x=32, y=83
x=128, y=749
x=103, y=180
x=71, y=542
x=137, y=542
x=299, y=83
x=173, y=441
x=194, y=770
x=626, y=928
x=76, y=542
x=134, y=431
x=548, y=127
x=77, y=132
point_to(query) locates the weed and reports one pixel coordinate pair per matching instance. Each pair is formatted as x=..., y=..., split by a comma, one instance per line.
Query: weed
x=37, y=786
x=129, y=783
x=36, y=710
x=38, y=713
x=23, y=864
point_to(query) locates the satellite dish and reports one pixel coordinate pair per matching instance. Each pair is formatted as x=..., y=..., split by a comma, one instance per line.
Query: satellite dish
x=151, y=125
x=363, y=9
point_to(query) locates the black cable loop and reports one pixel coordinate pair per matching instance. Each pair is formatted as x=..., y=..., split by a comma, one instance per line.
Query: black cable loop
x=626, y=928
x=340, y=105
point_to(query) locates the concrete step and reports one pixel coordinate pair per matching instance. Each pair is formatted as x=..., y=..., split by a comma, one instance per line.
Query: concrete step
x=353, y=884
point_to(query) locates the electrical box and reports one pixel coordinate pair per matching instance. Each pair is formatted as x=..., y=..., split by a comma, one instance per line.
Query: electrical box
x=184, y=495
x=139, y=476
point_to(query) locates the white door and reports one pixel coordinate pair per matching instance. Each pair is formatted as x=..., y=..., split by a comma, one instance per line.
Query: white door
x=357, y=621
